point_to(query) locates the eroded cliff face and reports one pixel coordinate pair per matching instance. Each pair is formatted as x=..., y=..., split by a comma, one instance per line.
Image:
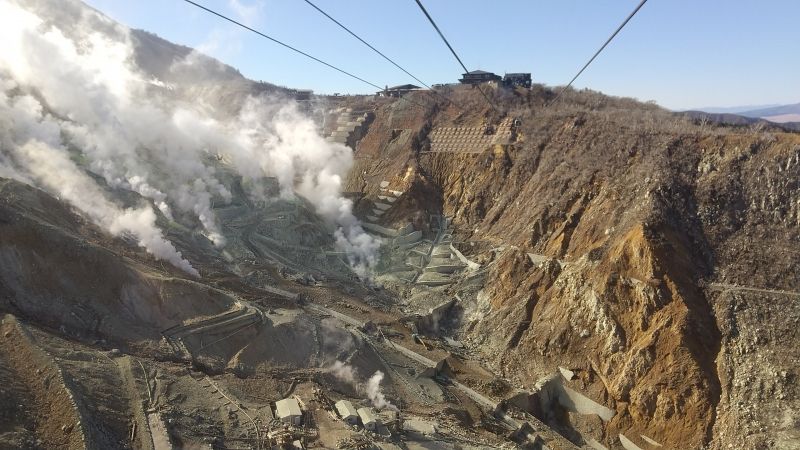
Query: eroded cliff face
x=605, y=229
x=631, y=331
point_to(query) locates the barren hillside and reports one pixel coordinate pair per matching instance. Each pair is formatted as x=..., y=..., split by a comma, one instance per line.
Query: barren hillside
x=185, y=252
x=654, y=221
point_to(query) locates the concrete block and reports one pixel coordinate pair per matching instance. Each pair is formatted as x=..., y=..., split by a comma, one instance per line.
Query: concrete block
x=434, y=317
x=437, y=261
x=596, y=445
x=408, y=228
x=410, y=238
x=433, y=279
x=423, y=248
x=442, y=268
x=408, y=246
x=650, y=441
x=576, y=402
x=382, y=206
x=388, y=232
x=384, y=184
x=441, y=251
x=627, y=444
x=415, y=262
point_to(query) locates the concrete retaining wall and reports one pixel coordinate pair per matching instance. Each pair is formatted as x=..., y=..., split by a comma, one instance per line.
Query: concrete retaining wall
x=551, y=392
x=430, y=322
x=442, y=268
x=441, y=251
x=576, y=402
x=437, y=261
x=388, y=232
x=433, y=279
x=410, y=238
x=627, y=443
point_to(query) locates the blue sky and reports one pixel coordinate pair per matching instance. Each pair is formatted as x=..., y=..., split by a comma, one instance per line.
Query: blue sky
x=681, y=53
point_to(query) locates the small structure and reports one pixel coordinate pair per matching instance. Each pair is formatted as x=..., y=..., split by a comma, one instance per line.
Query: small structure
x=517, y=80
x=302, y=94
x=442, y=369
x=347, y=412
x=288, y=411
x=478, y=77
x=368, y=419
x=398, y=91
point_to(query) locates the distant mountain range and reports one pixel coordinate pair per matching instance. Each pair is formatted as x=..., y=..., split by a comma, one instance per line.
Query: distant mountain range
x=779, y=114
x=772, y=113
x=734, y=109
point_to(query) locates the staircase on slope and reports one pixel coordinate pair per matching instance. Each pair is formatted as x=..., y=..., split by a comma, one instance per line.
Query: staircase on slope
x=348, y=127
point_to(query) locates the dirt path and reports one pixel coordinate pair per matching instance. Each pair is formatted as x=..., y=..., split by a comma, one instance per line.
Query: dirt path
x=159, y=432
x=736, y=287
x=142, y=437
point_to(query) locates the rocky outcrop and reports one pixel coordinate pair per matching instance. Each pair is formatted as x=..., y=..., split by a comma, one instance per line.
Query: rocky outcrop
x=634, y=212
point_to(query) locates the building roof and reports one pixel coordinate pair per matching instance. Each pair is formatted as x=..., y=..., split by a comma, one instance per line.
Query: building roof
x=479, y=72
x=287, y=407
x=403, y=87
x=367, y=415
x=345, y=408
x=518, y=74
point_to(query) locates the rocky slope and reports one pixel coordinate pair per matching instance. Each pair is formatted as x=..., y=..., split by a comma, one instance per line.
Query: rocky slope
x=639, y=213
x=653, y=256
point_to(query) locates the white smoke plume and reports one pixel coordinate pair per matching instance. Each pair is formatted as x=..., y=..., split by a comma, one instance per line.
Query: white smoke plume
x=31, y=147
x=371, y=389
x=289, y=148
x=93, y=99
x=375, y=394
x=344, y=372
x=88, y=81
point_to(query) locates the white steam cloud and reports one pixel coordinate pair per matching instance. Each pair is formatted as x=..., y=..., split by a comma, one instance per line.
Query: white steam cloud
x=371, y=389
x=344, y=372
x=31, y=148
x=75, y=96
x=375, y=394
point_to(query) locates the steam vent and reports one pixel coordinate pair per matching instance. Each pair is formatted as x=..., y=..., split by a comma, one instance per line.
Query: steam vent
x=194, y=259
